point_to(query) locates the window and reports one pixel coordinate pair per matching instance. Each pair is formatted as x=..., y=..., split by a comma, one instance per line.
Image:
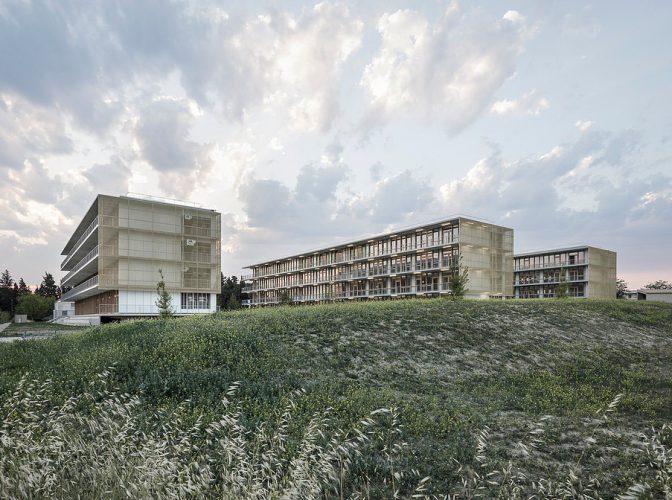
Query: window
x=195, y=301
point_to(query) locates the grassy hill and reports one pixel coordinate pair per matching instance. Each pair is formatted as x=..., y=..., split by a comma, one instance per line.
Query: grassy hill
x=522, y=369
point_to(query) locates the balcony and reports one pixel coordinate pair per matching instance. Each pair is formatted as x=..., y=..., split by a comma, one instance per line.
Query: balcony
x=77, y=247
x=354, y=294
x=550, y=265
x=576, y=279
x=82, y=290
x=339, y=259
x=83, y=264
x=428, y=265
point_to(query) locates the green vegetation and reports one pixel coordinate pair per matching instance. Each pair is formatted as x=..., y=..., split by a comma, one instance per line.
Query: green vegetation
x=514, y=389
x=36, y=307
x=459, y=280
x=163, y=299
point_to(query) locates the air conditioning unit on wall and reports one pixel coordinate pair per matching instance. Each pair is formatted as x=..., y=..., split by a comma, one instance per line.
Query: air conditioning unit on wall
x=191, y=243
x=187, y=217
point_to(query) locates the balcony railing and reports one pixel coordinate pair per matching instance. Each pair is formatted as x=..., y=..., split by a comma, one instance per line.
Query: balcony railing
x=577, y=279
x=399, y=269
x=426, y=266
x=357, y=256
x=549, y=265
x=85, y=260
x=90, y=283
x=84, y=236
x=353, y=294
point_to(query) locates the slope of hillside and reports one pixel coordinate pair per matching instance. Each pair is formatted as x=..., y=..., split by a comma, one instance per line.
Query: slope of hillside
x=451, y=368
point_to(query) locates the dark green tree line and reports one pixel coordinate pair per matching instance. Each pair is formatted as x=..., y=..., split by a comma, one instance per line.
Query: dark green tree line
x=13, y=293
x=232, y=293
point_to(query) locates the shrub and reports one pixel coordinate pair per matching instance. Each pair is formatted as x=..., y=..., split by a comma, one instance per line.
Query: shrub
x=5, y=317
x=35, y=306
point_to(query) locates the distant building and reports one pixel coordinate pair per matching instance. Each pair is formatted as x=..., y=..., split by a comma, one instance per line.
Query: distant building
x=663, y=295
x=415, y=261
x=113, y=258
x=630, y=294
x=588, y=272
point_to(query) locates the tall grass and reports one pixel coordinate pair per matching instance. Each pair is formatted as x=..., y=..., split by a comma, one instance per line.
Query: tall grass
x=101, y=444
x=449, y=369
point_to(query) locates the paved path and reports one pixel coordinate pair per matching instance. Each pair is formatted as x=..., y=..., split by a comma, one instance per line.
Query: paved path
x=3, y=326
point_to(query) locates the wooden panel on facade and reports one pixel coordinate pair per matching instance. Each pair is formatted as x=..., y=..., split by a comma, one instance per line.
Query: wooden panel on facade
x=103, y=303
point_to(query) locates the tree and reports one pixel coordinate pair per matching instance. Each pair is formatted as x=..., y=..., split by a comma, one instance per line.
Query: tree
x=621, y=287
x=284, y=298
x=659, y=285
x=459, y=277
x=562, y=288
x=6, y=280
x=7, y=296
x=232, y=303
x=23, y=288
x=48, y=287
x=164, y=300
x=35, y=307
x=232, y=293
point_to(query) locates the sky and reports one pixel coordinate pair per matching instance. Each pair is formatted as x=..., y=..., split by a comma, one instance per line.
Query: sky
x=310, y=123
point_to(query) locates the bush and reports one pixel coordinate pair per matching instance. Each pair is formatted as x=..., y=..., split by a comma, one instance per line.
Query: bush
x=5, y=317
x=35, y=306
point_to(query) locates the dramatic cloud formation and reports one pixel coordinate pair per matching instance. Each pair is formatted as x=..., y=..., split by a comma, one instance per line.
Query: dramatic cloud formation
x=310, y=123
x=448, y=70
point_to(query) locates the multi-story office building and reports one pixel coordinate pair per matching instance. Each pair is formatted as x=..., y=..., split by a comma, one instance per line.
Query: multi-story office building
x=113, y=258
x=587, y=272
x=414, y=261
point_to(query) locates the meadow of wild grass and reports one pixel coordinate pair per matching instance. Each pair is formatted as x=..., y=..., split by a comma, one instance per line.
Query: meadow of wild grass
x=555, y=399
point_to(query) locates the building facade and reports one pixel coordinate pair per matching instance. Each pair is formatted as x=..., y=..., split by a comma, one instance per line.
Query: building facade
x=114, y=259
x=413, y=261
x=588, y=272
x=655, y=295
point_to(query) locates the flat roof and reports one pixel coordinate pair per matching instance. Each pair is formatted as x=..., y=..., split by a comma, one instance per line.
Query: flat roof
x=559, y=250
x=400, y=230
x=654, y=290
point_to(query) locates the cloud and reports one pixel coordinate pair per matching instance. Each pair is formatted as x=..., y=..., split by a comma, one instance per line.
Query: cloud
x=28, y=130
x=395, y=199
x=447, y=71
x=109, y=178
x=291, y=64
x=94, y=60
x=321, y=207
x=583, y=125
x=162, y=134
x=568, y=195
x=530, y=103
x=308, y=207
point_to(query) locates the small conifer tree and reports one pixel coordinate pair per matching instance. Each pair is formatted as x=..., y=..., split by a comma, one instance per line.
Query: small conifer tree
x=459, y=277
x=164, y=300
x=562, y=288
x=285, y=299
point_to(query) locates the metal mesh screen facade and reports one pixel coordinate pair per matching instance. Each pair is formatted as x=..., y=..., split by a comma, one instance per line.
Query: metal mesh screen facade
x=138, y=237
